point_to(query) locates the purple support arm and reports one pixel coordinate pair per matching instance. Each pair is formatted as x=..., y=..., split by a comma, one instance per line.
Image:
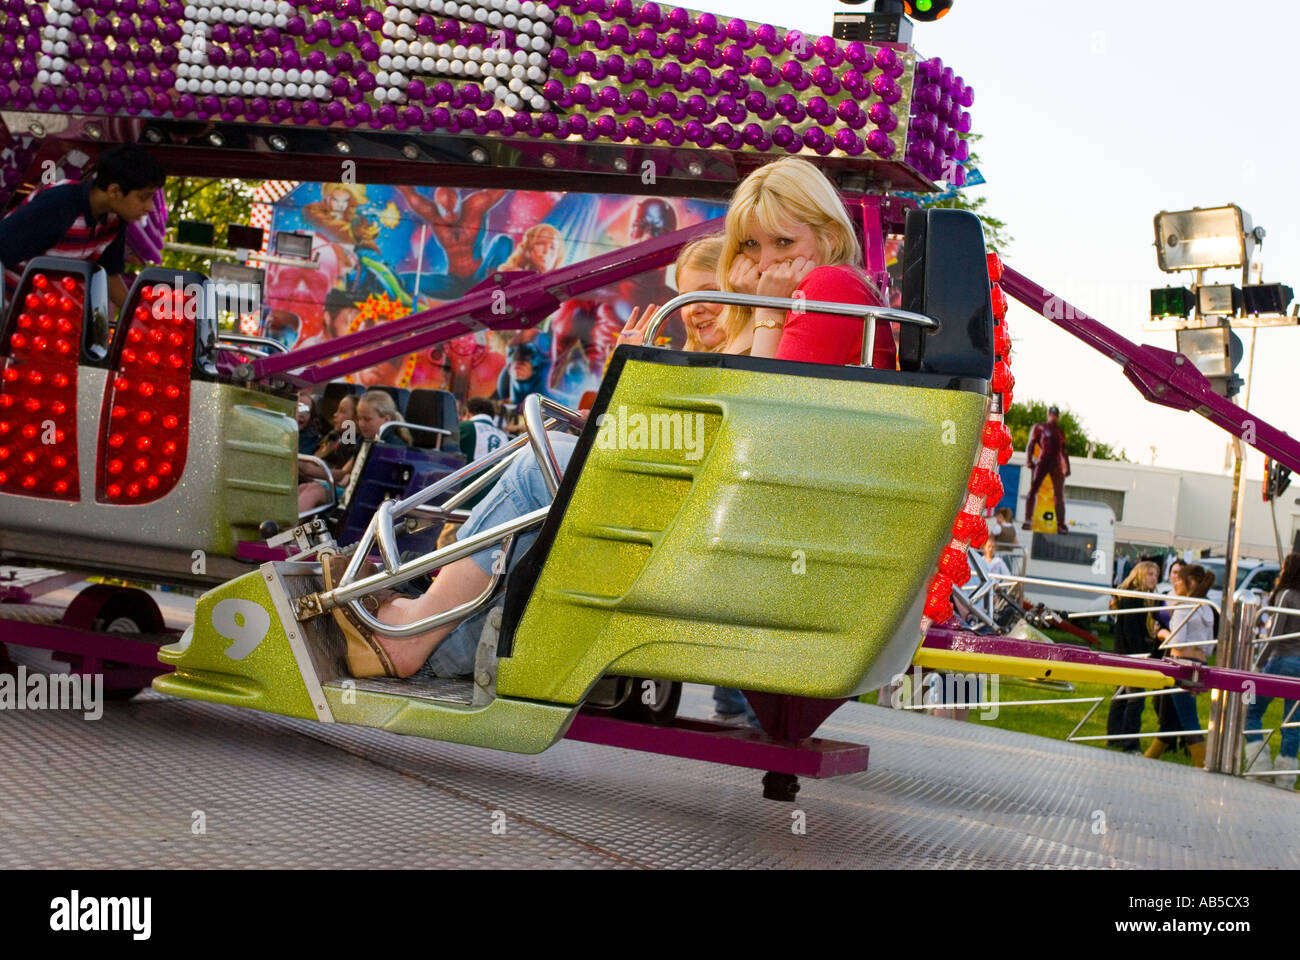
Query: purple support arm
x=1162, y=376
x=514, y=301
x=1195, y=675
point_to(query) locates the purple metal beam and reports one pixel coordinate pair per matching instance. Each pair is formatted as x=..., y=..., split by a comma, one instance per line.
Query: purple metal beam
x=118, y=647
x=1161, y=376
x=715, y=743
x=527, y=298
x=1195, y=675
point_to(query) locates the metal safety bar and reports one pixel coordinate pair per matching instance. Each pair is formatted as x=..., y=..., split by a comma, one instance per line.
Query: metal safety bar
x=380, y=532
x=534, y=404
x=403, y=424
x=327, y=481
x=799, y=305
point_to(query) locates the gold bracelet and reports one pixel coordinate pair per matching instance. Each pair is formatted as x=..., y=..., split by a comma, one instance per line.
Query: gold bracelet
x=769, y=322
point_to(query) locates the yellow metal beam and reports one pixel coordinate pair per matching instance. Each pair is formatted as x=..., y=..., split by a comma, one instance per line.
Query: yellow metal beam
x=964, y=661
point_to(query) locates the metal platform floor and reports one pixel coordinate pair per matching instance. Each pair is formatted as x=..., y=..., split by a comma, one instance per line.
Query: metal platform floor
x=124, y=792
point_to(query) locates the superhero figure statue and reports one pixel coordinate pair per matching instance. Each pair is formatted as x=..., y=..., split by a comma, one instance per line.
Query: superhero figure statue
x=1052, y=461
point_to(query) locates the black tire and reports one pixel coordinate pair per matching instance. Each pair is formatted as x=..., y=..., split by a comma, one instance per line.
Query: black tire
x=119, y=616
x=662, y=708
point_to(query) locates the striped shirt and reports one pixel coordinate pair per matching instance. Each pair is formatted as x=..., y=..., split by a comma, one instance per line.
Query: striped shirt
x=56, y=221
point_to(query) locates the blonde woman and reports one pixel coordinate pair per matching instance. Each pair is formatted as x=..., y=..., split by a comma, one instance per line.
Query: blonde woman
x=788, y=235
x=374, y=409
x=1132, y=638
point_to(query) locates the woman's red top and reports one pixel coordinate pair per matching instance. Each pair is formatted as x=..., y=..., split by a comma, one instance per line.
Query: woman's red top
x=828, y=337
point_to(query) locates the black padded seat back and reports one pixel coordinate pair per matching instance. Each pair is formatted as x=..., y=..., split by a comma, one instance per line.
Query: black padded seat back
x=945, y=276
x=433, y=408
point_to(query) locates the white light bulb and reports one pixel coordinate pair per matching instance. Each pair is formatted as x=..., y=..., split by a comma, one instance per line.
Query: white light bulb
x=277, y=90
x=442, y=66
x=264, y=74
x=494, y=19
x=319, y=92
x=291, y=90
x=427, y=65
x=262, y=89
x=220, y=87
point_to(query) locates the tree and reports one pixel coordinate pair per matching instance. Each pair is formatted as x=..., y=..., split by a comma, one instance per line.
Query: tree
x=1022, y=416
x=996, y=237
x=210, y=200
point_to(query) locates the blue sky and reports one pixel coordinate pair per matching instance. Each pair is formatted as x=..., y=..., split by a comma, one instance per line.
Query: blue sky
x=1095, y=117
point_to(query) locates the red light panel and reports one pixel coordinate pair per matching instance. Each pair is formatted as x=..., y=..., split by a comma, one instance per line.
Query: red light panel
x=146, y=427
x=38, y=390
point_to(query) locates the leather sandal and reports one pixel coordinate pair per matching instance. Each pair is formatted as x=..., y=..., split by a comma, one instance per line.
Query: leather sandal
x=366, y=656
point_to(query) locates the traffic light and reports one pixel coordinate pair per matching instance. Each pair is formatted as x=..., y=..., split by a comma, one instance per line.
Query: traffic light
x=1267, y=298
x=1171, y=302
x=1276, y=479
x=925, y=11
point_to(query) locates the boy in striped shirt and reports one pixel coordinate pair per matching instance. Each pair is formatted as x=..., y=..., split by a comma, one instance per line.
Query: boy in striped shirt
x=84, y=220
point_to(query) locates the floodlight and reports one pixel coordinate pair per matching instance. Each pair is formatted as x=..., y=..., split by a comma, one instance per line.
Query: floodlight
x=1218, y=300
x=240, y=237
x=1215, y=352
x=1201, y=239
x=196, y=233
x=288, y=244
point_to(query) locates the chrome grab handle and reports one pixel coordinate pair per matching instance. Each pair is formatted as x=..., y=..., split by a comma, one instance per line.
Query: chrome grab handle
x=865, y=311
x=534, y=403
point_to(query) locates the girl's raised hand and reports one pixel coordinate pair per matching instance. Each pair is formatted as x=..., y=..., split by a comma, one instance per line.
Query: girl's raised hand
x=634, y=330
x=781, y=279
x=743, y=276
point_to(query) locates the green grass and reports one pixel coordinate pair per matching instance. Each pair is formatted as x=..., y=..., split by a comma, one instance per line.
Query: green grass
x=1056, y=721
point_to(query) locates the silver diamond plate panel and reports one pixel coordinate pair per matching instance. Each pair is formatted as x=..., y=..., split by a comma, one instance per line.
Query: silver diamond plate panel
x=122, y=792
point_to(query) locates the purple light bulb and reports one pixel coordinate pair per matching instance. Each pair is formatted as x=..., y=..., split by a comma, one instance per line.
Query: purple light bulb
x=878, y=142
x=967, y=97
x=886, y=89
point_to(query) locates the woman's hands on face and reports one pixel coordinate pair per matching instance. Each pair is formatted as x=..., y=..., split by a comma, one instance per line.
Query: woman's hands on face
x=782, y=278
x=743, y=275
x=634, y=330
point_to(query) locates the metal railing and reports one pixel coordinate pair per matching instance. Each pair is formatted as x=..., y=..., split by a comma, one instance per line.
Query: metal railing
x=867, y=312
x=1225, y=747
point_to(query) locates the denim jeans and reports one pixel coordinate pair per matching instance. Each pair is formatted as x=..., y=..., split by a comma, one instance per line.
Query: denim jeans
x=520, y=490
x=1126, y=717
x=1286, y=667
x=729, y=701
x=1184, y=705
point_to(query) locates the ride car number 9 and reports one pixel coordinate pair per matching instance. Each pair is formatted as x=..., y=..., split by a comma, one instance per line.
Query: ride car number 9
x=242, y=621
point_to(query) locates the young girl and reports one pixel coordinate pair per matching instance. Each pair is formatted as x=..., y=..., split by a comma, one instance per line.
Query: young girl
x=1188, y=625
x=788, y=235
x=373, y=410
x=697, y=269
x=1132, y=638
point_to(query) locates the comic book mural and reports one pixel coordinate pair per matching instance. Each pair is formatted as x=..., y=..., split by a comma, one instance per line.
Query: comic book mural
x=386, y=251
